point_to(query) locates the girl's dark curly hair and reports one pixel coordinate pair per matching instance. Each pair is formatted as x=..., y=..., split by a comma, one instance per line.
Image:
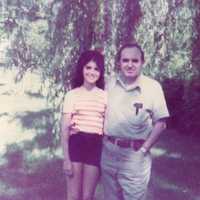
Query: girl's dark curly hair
x=86, y=57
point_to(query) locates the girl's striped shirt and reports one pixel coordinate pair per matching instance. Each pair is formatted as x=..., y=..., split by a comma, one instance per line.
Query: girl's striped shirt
x=87, y=108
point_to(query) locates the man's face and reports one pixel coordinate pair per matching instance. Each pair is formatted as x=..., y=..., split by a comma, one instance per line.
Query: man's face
x=131, y=62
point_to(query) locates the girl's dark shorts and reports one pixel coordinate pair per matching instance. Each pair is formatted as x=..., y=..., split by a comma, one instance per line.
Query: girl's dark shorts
x=85, y=148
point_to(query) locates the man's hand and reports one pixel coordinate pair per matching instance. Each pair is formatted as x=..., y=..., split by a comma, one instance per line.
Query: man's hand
x=158, y=128
x=143, y=150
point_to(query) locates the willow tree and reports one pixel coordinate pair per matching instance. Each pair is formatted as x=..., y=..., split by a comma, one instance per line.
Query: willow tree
x=167, y=32
x=81, y=25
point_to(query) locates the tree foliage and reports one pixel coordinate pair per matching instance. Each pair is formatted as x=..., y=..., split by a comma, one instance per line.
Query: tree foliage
x=167, y=33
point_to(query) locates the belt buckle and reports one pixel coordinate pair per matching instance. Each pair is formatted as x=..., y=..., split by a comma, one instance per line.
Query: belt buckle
x=117, y=141
x=123, y=143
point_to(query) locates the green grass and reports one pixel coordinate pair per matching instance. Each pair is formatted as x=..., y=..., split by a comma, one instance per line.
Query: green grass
x=175, y=173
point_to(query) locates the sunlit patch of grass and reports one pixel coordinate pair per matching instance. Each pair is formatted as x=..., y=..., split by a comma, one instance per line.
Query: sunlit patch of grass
x=7, y=190
x=38, y=154
x=175, y=155
x=3, y=160
x=157, y=152
x=168, y=185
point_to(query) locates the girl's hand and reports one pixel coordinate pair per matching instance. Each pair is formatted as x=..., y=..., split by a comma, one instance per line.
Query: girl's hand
x=67, y=167
x=73, y=128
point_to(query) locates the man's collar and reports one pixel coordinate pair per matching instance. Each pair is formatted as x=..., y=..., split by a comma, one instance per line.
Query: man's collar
x=136, y=85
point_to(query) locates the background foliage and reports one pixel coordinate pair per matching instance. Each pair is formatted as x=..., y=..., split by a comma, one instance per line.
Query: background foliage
x=45, y=37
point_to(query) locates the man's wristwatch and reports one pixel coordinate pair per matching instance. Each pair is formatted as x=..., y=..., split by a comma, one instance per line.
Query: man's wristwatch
x=143, y=150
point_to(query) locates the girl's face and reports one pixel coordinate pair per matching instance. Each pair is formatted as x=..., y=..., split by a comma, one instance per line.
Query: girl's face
x=91, y=73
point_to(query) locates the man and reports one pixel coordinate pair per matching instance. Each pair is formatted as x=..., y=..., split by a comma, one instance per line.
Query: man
x=134, y=120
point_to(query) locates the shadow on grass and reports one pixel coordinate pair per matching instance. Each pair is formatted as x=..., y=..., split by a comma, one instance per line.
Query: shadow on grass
x=34, y=94
x=175, y=175
x=41, y=123
x=46, y=181
x=6, y=94
x=3, y=114
x=29, y=170
x=36, y=120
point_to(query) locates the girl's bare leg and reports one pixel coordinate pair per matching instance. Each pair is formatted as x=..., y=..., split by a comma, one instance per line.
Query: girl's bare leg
x=74, y=182
x=90, y=179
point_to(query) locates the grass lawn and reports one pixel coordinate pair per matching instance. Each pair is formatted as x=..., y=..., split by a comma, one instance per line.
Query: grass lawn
x=25, y=117
x=175, y=174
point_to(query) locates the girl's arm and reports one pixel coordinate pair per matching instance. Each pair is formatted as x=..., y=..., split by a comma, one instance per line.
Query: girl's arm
x=65, y=133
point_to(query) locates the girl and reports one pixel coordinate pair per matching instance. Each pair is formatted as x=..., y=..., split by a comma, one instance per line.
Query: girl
x=82, y=126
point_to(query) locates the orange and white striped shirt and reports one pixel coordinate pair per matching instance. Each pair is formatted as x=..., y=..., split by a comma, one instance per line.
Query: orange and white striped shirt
x=87, y=109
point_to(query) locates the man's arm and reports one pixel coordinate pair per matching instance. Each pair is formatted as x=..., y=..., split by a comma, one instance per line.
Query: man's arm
x=158, y=128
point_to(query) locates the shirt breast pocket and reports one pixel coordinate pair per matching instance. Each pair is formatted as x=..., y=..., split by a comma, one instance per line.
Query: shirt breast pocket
x=141, y=112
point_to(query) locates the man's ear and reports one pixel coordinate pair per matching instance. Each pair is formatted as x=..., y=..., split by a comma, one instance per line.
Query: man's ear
x=143, y=64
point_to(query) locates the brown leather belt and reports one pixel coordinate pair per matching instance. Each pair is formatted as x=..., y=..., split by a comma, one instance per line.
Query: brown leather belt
x=126, y=143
